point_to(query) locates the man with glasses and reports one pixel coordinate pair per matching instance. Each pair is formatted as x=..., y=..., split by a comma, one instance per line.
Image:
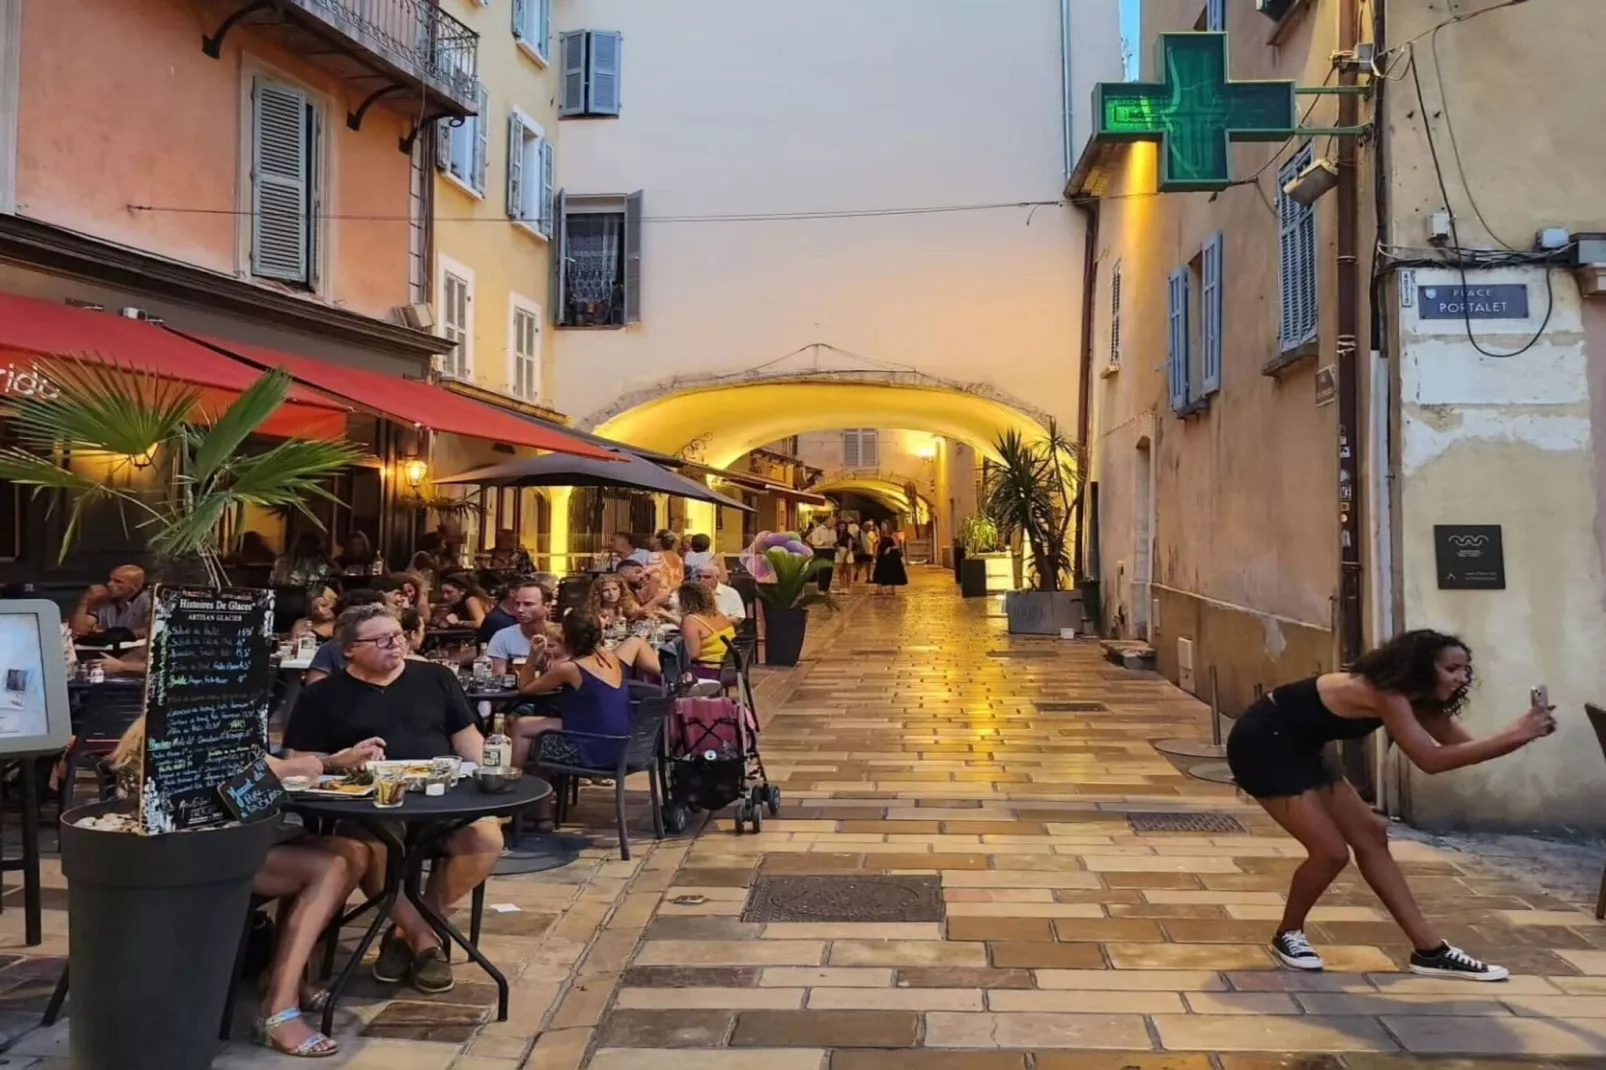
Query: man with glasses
x=419, y=711
x=727, y=599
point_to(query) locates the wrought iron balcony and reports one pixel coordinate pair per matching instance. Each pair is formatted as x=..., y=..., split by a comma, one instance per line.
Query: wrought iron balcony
x=394, y=51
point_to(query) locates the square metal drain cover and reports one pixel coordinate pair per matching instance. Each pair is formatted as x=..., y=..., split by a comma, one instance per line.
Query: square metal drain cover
x=1182, y=822
x=826, y=899
x=1073, y=707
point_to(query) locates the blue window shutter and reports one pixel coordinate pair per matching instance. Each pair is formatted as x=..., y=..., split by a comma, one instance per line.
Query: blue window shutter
x=572, y=55
x=482, y=141
x=1210, y=304
x=1296, y=260
x=521, y=18
x=1177, y=337
x=543, y=28
x=515, y=167
x=281, y=183
x=602, y=90
x=1216, y=15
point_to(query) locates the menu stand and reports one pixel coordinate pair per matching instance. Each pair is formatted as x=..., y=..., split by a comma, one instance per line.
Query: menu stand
x=28, y=862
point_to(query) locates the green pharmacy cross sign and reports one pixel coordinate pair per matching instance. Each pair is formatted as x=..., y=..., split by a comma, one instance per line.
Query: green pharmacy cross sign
x=1196, y=113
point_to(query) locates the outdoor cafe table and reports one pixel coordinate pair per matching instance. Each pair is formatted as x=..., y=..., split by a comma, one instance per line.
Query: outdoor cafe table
x=412, y=833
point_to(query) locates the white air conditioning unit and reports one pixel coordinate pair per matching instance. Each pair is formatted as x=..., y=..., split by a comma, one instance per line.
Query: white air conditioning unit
x=420, y=316
x=1185, y=666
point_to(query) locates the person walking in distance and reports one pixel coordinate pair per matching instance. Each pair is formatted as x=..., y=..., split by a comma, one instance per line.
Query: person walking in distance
x=1413, y=686
x=822, y=540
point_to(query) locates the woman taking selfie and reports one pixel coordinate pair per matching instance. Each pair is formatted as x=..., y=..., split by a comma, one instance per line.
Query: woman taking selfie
x=1413, y=686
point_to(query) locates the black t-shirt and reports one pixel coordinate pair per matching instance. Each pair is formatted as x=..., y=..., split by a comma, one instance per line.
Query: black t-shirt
x=497, y=619
x=416, y=714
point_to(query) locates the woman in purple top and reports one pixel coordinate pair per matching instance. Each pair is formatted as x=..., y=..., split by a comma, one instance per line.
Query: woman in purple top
x=592, y=695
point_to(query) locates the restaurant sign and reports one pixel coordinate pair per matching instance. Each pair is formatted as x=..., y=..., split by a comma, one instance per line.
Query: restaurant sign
x=27, y=382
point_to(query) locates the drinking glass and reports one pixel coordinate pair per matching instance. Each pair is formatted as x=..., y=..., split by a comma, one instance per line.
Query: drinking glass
x=390, y=788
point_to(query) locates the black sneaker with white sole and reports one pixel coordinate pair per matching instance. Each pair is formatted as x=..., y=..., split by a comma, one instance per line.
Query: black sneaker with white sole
x=1450, y=961
x=1295, y=952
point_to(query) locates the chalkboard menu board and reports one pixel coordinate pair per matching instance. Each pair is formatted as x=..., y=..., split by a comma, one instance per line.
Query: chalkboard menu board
x=207, y=691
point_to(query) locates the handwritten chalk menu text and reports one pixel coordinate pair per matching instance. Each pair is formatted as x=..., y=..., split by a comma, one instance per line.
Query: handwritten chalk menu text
x=207, y=691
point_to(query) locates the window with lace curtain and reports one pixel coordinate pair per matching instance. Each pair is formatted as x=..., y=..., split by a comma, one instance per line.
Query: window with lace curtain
x=598, y=251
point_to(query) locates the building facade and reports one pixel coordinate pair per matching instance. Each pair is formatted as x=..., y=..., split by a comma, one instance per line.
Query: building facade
x=826, y=229
x=1216, y=432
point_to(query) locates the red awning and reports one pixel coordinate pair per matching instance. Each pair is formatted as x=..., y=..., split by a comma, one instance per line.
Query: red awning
x=414, y=402
x=34, y=331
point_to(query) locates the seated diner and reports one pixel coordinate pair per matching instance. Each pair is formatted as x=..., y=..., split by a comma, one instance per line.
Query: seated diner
x=315, y=874
x=592, y=695
x=526, y=640
x=120, y=608
x=703, y=629
x=419, y=711
x=320, y=618
x=463, y=604
x=727, y=599
x=612, y=603
x=330, y=659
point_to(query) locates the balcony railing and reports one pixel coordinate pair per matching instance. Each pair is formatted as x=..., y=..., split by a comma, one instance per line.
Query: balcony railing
x=414, y=35
x=391, y=50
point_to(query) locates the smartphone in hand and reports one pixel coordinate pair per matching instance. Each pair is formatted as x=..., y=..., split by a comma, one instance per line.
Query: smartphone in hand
x=1539, y=697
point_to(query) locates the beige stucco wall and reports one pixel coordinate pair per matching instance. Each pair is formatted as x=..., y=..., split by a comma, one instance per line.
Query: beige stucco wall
x=1515, y=441
x=1244, y=534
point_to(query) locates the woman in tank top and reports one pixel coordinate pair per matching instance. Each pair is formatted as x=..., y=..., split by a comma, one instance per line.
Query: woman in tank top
x=1414, y=686
x=592, y=695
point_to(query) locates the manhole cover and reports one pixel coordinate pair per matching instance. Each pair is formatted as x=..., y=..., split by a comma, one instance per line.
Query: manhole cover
x=845, y=899
x=1073, y=707
x=1183, y=822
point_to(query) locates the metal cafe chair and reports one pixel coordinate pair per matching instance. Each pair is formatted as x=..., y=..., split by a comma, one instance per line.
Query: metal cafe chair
x=559, y=754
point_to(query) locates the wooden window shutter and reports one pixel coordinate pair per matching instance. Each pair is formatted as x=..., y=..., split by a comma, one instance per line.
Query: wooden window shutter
x=515, y=167
x=602, y=89
x=482, y=141
x=281, y=187
x=1211, y=305
x=545, y=205
x=1177, y=337
x=560, y=281
x=1115, y=315
x=572, y=54
x=1296, y=260
x=521, y=17
x=633, y=258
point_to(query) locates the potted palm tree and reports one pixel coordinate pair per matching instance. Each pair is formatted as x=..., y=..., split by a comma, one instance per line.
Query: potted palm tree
x=1032, y=494
x=784, y=568
x=167, y=906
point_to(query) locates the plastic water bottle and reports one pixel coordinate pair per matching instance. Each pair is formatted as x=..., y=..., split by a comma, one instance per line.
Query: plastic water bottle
x=482, y=667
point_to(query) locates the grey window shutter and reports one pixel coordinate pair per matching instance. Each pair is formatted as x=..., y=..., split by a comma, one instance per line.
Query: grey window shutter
x=560, y=272
x=281, y=170
x=869, y=452
x=633, y=258
x=1296, y=259
x=544, y=206
x=602, y=92
x=1177, y=337
x=521, y=15
x=482, y=140
x=1216, y=15
x=515, y=167
x=850, y=449
x=1210, y=304
x=572, y=53
x=543, y=28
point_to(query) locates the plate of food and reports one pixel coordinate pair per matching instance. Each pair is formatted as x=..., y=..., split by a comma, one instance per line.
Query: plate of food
x=350, y=786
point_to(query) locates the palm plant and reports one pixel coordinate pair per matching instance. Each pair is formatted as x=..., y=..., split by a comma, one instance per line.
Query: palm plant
x=790, y=589
x=1033, y=493
x=978, y=534
x=124, y=416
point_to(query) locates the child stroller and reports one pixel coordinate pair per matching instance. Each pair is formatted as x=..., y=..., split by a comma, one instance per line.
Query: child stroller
x=712, y=746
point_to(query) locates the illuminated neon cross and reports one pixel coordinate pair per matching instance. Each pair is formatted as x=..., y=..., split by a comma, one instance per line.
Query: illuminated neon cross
x=1196, y=113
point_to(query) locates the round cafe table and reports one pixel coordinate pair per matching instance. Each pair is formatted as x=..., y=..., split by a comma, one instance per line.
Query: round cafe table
x=413, y=833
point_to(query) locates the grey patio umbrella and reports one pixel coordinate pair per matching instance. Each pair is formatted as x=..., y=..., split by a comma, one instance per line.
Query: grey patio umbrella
x=560, y=470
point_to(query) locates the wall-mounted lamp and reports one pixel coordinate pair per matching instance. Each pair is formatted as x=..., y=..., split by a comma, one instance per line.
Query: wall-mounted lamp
x=415, y=469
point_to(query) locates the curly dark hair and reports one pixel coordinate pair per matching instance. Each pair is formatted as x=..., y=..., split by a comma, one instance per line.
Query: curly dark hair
x=581, y=633
x=1408, y=665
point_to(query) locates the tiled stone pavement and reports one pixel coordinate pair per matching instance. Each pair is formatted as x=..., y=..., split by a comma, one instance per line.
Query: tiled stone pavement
x=908, y=746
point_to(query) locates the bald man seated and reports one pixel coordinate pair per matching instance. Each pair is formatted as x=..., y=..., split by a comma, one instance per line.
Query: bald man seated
x=121, y=604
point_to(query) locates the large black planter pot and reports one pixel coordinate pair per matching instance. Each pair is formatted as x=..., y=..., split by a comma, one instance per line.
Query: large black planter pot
x=973, y=578
x=154, y=924
x=783, y=635
x=959, y=562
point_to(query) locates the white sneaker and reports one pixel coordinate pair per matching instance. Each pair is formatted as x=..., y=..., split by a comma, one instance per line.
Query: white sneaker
x=1453, y=962
x=1295, y=952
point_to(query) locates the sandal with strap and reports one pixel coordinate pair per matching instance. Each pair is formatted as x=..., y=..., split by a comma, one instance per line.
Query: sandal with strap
x=316, y=1046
